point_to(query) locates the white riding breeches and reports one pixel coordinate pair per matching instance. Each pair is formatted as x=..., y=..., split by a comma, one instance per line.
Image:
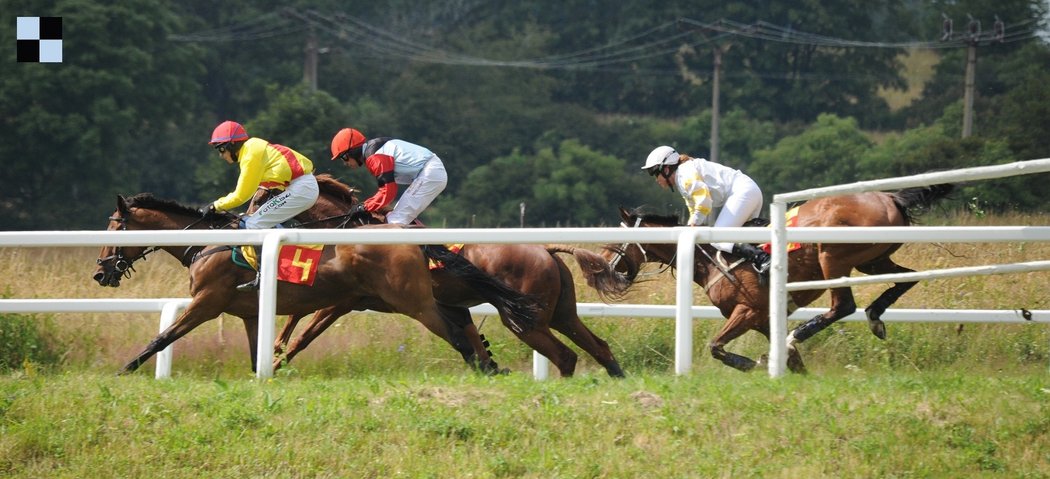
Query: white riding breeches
x=300, y=195
x=428, y=184
x=744, y=203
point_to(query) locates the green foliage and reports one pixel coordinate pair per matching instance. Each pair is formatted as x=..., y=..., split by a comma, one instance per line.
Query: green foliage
x=144, y=81
x=826, y=153
x=24, y=341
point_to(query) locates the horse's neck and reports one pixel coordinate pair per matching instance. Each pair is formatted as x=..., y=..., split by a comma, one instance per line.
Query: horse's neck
x=170, y=222
x=667, y=254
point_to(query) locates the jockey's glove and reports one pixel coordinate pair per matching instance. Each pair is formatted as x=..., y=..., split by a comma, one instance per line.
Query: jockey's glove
x=208, y=208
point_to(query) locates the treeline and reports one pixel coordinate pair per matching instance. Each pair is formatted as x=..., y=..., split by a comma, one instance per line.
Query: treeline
x=553, y=108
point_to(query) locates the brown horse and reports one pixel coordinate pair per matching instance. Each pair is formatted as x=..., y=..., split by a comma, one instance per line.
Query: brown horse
x=386, y=278
x=743, y=297
x=532, y=269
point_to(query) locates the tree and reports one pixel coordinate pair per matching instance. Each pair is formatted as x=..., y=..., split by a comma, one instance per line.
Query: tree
x=826, y=153
x=81, y=131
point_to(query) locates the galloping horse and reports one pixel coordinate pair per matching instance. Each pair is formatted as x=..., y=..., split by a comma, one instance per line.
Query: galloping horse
x=532, y=269
x=387, y=278
x=743, y=298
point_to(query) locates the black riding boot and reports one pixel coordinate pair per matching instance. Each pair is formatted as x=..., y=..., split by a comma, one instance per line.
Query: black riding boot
x=252, y=285
x=760, y=259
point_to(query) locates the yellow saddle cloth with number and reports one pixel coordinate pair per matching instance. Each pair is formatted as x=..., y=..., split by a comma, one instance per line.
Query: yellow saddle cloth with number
x=296, y=263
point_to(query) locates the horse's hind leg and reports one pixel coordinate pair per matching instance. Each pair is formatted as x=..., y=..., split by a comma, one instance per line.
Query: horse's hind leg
x=842, y=302
x=740, y=321
x=251, y=328
x=286, y=333
x=566, y=321
x=322, y=319
x=888, y=297
x=480, y=357
x=540, y=339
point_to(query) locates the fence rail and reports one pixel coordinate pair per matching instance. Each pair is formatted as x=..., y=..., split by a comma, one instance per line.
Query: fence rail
x=169, y=308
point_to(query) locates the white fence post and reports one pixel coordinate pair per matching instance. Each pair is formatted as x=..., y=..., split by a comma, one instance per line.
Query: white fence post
x=267, y=304
x=168, y=313
x=683, y=331
x=540, y=366
x=777, y=298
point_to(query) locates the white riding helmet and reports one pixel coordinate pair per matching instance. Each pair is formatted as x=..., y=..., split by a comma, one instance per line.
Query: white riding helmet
x=662, y=155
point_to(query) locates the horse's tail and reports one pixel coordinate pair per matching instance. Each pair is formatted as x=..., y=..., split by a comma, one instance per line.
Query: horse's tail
x=521, y=309
x=913, y=202
x=600, y=275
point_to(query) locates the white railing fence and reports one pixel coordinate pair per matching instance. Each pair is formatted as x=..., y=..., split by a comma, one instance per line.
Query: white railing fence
x=684, y=237
x=170, y=307
x=782, y=236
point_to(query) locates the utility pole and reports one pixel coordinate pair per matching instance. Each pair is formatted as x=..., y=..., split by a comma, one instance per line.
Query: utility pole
x=971, y=67
x=973, y=40
x=715, y=108
x=310, y=62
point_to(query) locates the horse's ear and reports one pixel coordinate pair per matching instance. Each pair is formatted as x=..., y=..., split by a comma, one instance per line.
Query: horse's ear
x=626, y=215
x=122, y=205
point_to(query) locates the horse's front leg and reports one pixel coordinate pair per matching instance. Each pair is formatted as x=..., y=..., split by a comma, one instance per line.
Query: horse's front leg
x=286, y=334
x=842, y=305
x=251, y=328
x=198, y=312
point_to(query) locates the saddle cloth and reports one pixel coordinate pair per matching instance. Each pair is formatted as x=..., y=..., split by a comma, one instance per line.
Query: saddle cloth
x=455, y=248
x=296, y=263
x=792, y=220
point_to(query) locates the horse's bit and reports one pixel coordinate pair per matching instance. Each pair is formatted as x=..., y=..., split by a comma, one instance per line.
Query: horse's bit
x=121, y=264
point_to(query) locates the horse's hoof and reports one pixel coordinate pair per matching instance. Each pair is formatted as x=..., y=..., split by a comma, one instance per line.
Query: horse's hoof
x=878, y=328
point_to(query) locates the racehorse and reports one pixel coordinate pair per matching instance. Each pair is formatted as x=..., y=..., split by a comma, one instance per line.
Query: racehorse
x=534, y=270
x=742, y=296
x=386, y=278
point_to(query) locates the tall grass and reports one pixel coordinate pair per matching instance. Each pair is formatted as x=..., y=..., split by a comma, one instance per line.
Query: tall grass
x=360, y=343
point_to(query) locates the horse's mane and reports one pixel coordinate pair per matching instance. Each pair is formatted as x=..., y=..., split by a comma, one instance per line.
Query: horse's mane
x=662, y=220
x=150, y=202
x=329, y=185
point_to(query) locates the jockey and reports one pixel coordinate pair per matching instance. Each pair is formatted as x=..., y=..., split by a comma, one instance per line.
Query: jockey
x=705, y=185
x=393, y=162
x=267, y=165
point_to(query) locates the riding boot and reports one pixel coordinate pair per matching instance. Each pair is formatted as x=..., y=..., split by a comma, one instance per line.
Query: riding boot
x=760, y=259
x=250, y=286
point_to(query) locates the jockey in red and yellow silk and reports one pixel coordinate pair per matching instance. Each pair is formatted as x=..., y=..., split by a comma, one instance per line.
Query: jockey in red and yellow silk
x=267, y=165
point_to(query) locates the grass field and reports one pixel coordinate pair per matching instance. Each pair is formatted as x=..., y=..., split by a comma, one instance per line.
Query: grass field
x=377, y=396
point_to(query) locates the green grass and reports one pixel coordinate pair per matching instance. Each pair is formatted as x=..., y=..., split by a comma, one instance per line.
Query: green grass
x=717, y=424
x=378, y=396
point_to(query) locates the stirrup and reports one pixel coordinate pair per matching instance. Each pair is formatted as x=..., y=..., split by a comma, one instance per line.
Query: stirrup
x=762, y=269
x=250, y=286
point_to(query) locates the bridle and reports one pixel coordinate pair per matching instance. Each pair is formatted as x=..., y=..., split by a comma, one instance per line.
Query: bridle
x=671, y=261
x=123, y=265
x=620, y=252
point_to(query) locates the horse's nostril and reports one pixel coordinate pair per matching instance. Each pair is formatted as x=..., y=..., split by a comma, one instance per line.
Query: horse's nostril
x=98, y=277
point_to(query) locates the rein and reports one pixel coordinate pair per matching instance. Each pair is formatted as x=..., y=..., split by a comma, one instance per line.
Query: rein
x=645, y=254
x=724, y=270
x=124, y=266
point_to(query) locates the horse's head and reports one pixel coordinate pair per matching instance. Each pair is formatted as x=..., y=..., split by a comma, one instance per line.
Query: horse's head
x=627, y=258
x=144, y=212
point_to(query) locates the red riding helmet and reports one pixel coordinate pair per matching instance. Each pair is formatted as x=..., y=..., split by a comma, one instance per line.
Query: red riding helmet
x=346, y=139
x=228, y=131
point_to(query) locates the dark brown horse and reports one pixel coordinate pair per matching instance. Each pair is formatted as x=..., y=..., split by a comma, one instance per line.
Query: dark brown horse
x=742, y=296
x=386, y=278
x=532, y=269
